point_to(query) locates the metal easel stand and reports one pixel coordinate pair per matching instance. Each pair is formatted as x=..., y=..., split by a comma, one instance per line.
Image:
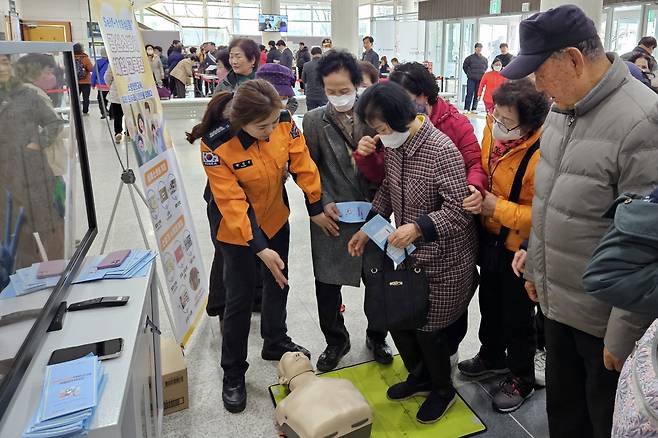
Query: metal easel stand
x=128, y=179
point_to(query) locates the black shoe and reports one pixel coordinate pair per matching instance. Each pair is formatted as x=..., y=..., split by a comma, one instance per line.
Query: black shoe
x=435, y=407
x=234, y=395
x=477, y=367
x=102, y=117
x=408, y=389
x=513, y=392
x=331, y=356
x=275, y=352
x=380, y=349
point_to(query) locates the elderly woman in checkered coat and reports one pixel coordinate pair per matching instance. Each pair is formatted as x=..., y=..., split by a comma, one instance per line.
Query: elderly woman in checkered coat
x=424, y=187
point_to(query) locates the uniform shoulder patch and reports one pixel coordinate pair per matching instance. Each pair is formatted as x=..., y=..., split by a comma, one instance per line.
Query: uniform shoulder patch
x=209, y=158
x=218, y=134
x=285, y=116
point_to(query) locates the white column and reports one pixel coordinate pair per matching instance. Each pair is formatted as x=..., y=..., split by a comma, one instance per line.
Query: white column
x=345, y=26
x=593, y=8
x=270, y=7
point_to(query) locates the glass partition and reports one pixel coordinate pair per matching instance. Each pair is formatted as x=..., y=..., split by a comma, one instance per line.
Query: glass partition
x=625, y=31
x=452, y=55
x=47, y=221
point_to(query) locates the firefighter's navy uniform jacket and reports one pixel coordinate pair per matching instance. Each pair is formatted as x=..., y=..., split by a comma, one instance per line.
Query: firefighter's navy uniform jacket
x=245, y=176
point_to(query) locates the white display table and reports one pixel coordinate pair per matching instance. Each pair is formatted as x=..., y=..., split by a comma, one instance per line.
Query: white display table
x=131, y=404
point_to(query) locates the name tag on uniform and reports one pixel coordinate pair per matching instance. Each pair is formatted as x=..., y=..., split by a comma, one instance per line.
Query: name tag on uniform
x=243, y=164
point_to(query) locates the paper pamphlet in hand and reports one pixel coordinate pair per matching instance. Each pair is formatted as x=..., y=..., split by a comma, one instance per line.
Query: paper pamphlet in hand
x=353, y=212
x=378, y=229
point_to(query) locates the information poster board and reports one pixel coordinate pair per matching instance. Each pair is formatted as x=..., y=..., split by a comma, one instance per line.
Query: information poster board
x=163, y=186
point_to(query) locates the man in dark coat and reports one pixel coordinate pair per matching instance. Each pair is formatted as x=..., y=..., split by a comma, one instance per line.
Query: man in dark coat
x=475, y=66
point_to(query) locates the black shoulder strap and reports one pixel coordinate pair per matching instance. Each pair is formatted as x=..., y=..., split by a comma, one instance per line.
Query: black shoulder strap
x=347, y=141
x=515, y=192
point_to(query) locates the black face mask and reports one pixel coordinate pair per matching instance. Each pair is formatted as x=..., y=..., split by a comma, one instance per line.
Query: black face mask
x=420, y=108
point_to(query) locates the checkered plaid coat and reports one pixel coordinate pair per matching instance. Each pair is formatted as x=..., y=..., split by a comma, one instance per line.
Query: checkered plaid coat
x=434, y=182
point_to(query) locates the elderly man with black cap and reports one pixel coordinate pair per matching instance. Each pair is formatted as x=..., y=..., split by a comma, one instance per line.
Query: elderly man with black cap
x=599, y=140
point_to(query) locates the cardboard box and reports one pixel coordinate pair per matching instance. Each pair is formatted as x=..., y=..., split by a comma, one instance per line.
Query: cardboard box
x=174, y=377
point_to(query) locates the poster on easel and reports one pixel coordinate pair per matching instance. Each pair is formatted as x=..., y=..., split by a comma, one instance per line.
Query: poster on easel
x=160, y=173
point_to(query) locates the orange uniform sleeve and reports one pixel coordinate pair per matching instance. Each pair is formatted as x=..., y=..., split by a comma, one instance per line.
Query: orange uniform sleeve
x=304, y=171
x=231, y=200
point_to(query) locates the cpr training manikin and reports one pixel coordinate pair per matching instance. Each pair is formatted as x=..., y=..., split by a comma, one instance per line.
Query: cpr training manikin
x=319, y=407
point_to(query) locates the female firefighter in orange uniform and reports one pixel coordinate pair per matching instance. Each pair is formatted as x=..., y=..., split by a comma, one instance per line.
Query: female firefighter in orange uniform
x=247, y=141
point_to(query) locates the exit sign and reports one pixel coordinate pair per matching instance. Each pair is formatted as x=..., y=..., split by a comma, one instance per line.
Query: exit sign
x=494, y=7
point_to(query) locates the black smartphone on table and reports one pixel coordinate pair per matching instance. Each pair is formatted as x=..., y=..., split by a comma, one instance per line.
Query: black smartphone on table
x=104, y=350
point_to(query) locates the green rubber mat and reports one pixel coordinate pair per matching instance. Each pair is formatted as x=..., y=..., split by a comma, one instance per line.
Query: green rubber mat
x=398, y=419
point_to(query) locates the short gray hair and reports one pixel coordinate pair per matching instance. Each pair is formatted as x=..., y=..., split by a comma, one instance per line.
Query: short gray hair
x=591, y=48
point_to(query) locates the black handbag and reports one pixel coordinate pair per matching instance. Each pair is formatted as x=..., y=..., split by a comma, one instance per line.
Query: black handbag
x=491, y=256
x=396, y=299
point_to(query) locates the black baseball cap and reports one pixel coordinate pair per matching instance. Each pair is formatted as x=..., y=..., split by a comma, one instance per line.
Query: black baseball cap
x=545, y=33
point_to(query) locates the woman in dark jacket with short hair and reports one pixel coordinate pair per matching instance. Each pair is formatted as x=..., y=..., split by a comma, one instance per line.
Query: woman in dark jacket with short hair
x=424, y=187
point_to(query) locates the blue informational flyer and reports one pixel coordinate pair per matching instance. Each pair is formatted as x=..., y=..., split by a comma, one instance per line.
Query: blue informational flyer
x=378, y=229
x=69, y=387
x=69, y=399
x=353, y=212
x=135, y=265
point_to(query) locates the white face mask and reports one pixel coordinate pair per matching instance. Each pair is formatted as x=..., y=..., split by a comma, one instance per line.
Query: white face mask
x=394, y=140
x=503, y=135
x=284, y=102
x=498, y=67
x=360, y=91
x=343, y=103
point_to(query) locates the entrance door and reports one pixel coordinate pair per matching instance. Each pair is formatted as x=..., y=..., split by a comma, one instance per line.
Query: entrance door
x=452, y=58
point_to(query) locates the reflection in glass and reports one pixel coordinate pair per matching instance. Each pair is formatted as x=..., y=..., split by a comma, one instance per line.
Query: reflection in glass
x=37, y=179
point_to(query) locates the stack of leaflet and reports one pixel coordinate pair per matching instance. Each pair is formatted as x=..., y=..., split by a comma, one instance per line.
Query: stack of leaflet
x=28, y=280
x=70, y=395
x=135, y=265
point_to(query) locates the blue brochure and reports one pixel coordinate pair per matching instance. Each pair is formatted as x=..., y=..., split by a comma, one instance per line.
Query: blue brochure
x=68, y=398
x=69, y=387
x=378, y=229
x=353, y=212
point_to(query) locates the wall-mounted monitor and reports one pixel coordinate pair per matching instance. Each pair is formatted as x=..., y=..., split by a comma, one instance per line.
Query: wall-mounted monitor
x=273, y=23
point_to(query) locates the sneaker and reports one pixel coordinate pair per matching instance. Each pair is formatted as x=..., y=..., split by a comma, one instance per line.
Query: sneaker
x=511, y=395
x=118, y=138
x=274, y=352
x=408, y=389
x=331, y=356
x=476, y=367
x=435, y=407
x=540, y=368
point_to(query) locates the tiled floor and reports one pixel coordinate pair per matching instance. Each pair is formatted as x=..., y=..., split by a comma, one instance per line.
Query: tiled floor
x=206, y=416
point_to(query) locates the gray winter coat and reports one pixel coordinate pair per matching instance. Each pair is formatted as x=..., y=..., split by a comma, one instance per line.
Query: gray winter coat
x=624, y=268
x=332, y=263
x=606, y=146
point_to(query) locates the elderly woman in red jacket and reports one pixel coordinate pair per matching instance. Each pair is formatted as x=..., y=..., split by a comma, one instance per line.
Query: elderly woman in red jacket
x=421, y=85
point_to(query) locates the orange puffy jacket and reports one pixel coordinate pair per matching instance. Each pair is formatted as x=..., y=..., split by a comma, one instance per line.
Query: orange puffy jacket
x=246, y=178
x=515, y=216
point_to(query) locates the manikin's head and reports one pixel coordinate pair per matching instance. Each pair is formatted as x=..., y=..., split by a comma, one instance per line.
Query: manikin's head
x=291, y=365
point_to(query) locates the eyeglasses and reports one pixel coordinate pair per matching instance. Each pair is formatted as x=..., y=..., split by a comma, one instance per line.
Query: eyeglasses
x=502, y=126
